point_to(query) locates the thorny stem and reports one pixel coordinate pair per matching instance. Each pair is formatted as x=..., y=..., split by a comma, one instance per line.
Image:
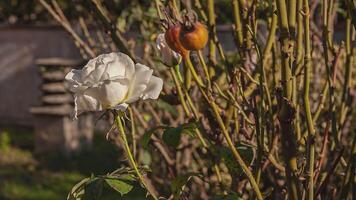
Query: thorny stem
x=179, y=90
x=212, y=27
x=228, y=139
x=186, y=110
x=309, y=120
x=237, y=23
x=201, y=10
x=286, y=117
x=205, y=68
x=115, y=34
x=158, y=8
x=349, y=178
x=297, y=66
x=68, y=28
x=187, y=74
x=133, y=132
x=130, y=156
x=189, y=67
x=329, y=71
x=286, y=51
x=348, y=69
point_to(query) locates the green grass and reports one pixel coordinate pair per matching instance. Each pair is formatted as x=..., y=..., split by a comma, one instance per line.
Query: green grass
x=37, y=185
x=24, y=176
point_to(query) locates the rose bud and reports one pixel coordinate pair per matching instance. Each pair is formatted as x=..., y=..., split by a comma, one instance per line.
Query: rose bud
x=169, y=57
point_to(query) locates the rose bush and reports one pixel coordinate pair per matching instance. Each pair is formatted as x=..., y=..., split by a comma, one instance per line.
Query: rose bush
x=244, y=120
x=112, y=81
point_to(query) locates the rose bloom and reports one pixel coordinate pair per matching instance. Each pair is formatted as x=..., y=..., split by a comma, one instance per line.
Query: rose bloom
x=112, y=81
x=169, y=57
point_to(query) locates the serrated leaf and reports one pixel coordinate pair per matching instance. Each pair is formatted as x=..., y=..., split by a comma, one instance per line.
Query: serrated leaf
x=93, y=189
x=120, y=185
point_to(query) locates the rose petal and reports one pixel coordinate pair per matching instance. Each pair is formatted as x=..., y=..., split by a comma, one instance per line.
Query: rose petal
x=139, y=82
x=121, y=65
x=73, y=80
x=121, y=107
x=93, y=71
x=85, y=102
x=154, y=88
x=161, y=41
x=112, y=92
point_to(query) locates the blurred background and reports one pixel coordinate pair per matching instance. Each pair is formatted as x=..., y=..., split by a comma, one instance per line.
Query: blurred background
x=43, y=152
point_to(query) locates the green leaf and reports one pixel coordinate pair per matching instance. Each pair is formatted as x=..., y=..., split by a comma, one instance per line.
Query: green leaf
x=93, y=189
x=78, y=189
x=168, y=107
x=145, y=157
x=171, y=136
x=228, y=197
x=246, y=151
x=121, y=185
x=147, y=136
x=178, y=183
x=189, y=128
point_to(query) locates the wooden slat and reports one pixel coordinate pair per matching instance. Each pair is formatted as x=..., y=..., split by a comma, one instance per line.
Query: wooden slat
x=53, y=75
x=59, y=62
x=60, y=110
x=57, y=99
x=53, y=87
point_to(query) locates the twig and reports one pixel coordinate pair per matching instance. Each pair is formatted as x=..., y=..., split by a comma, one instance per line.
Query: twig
x=68, y=28
x=130, y=156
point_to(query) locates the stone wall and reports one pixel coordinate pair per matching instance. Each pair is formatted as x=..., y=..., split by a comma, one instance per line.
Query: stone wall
x=19, y=79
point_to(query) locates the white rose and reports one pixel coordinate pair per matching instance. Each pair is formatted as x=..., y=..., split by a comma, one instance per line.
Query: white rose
x=169, y=57
x=112, y=81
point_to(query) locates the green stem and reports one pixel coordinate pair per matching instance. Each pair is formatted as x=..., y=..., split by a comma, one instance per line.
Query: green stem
x=187, y=112
x=297, y=66
x=349, y=178
x=329, y=72
x=237, y=23
x=228, y=139
x=348, y=70
x=310, y=123
x=286, y=117
x=205, y=68
x=189, y=67
x=201, y=10
x=179, y=90
x=286, y=51
x=133, y=131
x=116, y=36
x=129, y=155
x=187, y=76
x=158, y=8
x=212, y=27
